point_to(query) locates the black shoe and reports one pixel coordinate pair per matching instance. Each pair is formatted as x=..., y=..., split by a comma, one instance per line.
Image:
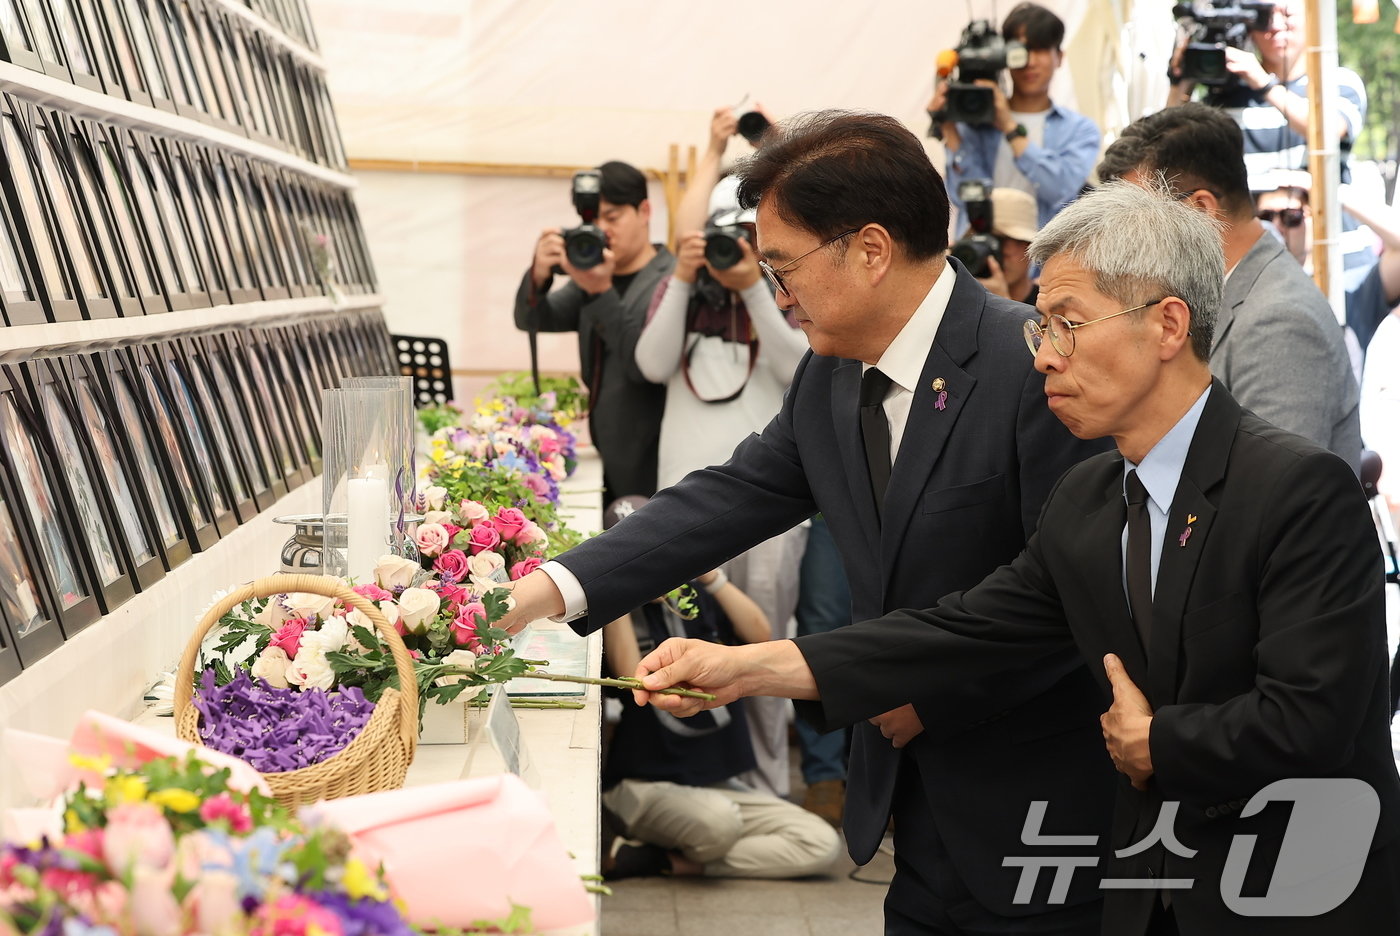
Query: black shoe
x=636, y=859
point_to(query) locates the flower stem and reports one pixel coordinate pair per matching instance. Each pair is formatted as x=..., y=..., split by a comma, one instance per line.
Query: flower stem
x=623, y=683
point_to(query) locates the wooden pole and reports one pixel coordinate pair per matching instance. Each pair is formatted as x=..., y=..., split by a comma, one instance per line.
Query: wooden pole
x=1323, y=158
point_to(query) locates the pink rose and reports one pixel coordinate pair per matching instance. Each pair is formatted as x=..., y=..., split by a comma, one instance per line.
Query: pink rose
x=473, y=512
x=484, y=537
x=530, y=533
x=137, y=836
x=295, y=915
x=454, y=594
x=372, y=592
x=509, y=522
x=538, y=486
x=288, y=636
x=452, y=564
x=524, y=567
x=432, y=538
x=452, y=530
x=464, y=626
x=548, y=444
x=223, y=807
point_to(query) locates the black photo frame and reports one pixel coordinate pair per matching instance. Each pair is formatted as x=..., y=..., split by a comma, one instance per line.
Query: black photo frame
x=205, y=232
x=47, y=45
x=265, y=436
x=28, y=629
x=165, y=465
x=79, y=51
x=247, y=352
x=291, y=390
x=251, y=487
x=93, y=143
x=48, y=529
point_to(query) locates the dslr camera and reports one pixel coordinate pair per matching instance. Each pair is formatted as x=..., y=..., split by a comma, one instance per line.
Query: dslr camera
x=981, y=53
x=584, y=245
x=722, y=248
x=1212, y=29
x=979, y=243
x=752, y=126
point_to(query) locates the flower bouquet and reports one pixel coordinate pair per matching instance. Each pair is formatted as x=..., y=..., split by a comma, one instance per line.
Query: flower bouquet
x=169, y=848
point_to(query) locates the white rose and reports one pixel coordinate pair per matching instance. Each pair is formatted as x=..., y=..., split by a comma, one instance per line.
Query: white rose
x=435, y=494
x=437, y=516
x=271, y=665
x=357, y=618
x=312, y=607
x=462, y=658
x=417, y=606
x=310, y=669
x=394, y=572
x=331, y=636
x=485, y=567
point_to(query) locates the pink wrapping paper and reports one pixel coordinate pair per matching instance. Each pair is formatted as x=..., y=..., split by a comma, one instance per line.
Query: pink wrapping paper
x=44, y=762
x=464, y=851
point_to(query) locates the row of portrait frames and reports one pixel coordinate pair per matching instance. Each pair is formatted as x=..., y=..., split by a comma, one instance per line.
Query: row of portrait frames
x=188, y=57
x=118, y=465
x=103, y=221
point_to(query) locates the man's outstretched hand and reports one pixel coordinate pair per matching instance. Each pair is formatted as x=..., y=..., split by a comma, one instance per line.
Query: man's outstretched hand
x=773, y=668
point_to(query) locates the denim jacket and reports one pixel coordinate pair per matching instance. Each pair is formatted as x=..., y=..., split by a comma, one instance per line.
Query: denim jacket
x=1057, y=169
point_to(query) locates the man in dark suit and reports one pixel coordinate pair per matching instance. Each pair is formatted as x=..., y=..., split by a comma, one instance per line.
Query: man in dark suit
x=1220, y=574
x=853, y=219
x=607, y=305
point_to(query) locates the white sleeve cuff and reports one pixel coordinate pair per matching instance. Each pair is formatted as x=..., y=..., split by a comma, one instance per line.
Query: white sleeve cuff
x=575, y=601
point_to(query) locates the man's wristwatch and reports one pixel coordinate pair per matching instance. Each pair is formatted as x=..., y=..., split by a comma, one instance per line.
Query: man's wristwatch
x=1017, y=131
x=1264, y=89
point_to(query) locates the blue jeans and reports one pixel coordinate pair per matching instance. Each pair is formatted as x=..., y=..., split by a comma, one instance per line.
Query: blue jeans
x=823, y=604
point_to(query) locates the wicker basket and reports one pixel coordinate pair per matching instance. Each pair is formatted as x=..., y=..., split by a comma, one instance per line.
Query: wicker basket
x=378, y=757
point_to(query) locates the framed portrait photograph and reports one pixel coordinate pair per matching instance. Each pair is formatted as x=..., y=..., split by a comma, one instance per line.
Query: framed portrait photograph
x=178, y=424
x=78, y=49
x=234, y=386
x=208, y=433
x=204, y=227
x=167, y=229
x=289, y=383
x=268, y=234
x=228, y=180
x=28, y=629
x=307, y=340
x=43, y=32
x=122, y=72
x=223, y=65
x=17, y=44
x=113, y=533
x=259, y=124
x=19, y=300
x=43, y=497
x=140, y=499
x=280, y=212
x=146, y=53
x=26, y=199
x=96, y=156
x=249, y=362
x=74, y=216
x=179, y=505
x=223, y=224
x=229, y=429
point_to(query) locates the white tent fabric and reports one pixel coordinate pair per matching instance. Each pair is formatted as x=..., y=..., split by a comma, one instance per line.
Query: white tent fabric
x=573, y=84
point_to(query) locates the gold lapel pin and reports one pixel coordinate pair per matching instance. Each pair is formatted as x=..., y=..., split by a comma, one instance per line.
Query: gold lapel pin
x=939, y=383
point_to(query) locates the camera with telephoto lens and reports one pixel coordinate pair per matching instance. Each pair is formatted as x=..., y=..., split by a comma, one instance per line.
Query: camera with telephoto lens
x=752, y=126
x=979, y=244
x=584, y=245
x=982, y=54
x=1213, y=28
x=722, y=249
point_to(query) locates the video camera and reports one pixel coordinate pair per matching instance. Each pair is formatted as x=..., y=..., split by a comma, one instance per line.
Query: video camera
x=1214, y=28
x=584, y=245
x=981, y=54
x=979, y=243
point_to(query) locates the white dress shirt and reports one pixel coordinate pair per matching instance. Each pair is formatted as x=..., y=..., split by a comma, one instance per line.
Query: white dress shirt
x=903, y=362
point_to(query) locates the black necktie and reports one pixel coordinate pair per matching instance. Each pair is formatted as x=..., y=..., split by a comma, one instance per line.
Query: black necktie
x=1139, y=558
x=875, y=429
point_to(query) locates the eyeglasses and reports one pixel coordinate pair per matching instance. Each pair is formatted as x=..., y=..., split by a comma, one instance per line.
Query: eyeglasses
x=775, y=277
x=1061, y=329
x=1288, y=217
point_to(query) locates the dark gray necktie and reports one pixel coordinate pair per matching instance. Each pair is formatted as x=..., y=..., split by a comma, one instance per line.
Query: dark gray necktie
x=1139, y=557
x=875, y=430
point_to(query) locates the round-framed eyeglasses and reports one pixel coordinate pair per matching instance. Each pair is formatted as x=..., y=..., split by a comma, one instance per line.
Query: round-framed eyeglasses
x=1061, y=330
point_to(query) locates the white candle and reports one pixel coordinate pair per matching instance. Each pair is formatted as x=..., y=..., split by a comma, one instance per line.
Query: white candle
x=367, y=519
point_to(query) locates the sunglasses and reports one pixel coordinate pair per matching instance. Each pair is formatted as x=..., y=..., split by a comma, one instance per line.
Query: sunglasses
x=1288, y=217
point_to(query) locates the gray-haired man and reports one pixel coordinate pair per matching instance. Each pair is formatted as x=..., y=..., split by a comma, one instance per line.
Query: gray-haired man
x=1221, y=576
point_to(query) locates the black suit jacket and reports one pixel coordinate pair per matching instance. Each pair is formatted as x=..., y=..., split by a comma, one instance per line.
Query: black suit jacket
x=1267, y=657
x=625, y=408
x=964, y=492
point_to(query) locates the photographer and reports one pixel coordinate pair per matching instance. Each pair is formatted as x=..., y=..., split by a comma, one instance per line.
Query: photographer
x=606, y=304
x=1031, y=143
x=1274, y=116
x=1013, y=227
x=715, y=337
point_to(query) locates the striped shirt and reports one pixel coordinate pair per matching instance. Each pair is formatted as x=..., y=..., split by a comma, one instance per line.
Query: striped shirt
x=1270, y=143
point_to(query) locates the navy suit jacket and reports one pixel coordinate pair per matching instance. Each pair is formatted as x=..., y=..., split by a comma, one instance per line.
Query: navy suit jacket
x=964, y=492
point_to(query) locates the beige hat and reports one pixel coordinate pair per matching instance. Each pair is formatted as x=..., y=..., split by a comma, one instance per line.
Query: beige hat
x=1014, y=214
